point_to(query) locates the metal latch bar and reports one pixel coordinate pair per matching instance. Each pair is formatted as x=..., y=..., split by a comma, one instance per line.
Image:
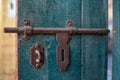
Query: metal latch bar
x=57, y=30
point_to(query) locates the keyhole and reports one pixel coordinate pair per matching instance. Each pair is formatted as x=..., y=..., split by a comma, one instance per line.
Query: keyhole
x=62, y=55
x=38, y=55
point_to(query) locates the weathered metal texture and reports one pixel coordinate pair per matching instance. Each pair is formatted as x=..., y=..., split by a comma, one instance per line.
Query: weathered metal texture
x=88, y=54
x=49, y=13
x=37, y=55
x=116, y=40
x=71, y=30
x=62, y=51
x=94, y=48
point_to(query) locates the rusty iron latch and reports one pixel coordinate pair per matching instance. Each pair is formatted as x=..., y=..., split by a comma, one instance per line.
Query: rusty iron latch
x=63, y=36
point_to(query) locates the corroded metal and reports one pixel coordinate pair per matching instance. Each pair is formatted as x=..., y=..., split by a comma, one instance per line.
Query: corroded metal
x=37, y=55
x=69, y=23
x=26, y=22
x=57, y=30
x=63, y=36
x=62, y=50
x=27, y=30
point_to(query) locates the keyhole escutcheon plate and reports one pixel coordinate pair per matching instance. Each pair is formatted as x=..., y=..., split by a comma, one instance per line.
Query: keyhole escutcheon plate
x=37, y=55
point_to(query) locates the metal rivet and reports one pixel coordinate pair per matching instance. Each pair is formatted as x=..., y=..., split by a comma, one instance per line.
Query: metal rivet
x=26, y=22
x=69, y=23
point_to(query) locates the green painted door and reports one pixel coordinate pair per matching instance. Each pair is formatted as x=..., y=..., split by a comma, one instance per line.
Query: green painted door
x=116, y=40
x=88, y=53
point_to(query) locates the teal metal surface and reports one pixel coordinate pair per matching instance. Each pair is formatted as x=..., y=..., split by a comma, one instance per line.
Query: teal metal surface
x=94, y=48
x=88, y=53
x=116, y=40
x=49, y=13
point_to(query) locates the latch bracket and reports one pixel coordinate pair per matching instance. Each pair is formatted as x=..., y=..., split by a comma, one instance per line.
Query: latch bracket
x=62, y=50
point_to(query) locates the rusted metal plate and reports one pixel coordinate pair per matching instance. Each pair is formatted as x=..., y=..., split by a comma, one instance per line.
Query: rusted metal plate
x=63, y=50
x=37, y=55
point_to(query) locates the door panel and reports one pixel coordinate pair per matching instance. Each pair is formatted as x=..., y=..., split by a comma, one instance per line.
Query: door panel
x=94, y=47
x=88, y=53
x=116, y=40
x=49, y=13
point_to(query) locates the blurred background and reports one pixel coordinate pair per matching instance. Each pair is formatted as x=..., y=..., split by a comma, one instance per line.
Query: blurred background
x=8, y=42
x=8, y=69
